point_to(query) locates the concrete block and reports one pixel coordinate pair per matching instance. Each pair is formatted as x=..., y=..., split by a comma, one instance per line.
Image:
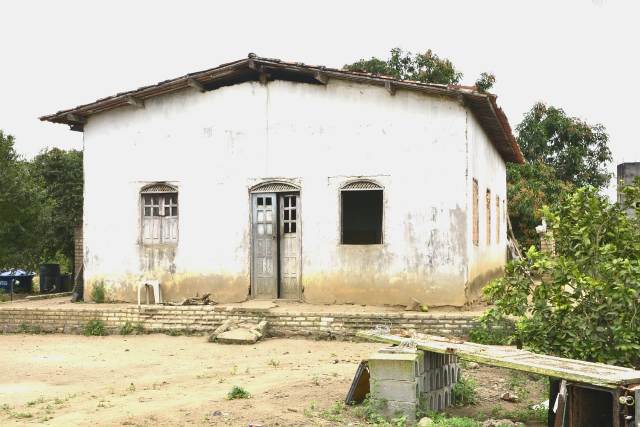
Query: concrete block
x=404, y=391
x=395, y=408
x=394, y=366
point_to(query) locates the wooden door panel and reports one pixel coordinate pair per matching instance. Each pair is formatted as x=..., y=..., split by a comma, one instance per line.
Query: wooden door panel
x=289, y=246
x=265, y=279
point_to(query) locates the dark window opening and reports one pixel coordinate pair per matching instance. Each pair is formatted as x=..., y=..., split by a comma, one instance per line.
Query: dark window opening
x=362, y=217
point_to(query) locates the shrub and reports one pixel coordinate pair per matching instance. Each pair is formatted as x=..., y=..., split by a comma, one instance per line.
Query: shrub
x=98, y=293
x=580, y=302
x=464, y=392
x=492, y=330
x=238, y=393
x=129, y=328
x=95, y=327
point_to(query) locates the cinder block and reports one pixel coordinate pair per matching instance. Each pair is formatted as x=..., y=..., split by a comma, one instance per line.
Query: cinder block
x=403, y=391
x=394, y=366
x=394, y=409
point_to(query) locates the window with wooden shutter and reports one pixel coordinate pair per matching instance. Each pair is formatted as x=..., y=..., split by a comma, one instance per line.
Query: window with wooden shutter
x=488, y=216
x=474, y=214
x=159, y=203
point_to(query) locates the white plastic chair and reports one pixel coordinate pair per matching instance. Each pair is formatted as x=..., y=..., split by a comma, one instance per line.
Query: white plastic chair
x=154, y=286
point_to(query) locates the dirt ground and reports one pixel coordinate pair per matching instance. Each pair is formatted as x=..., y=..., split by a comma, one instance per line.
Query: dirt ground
x=160, y=380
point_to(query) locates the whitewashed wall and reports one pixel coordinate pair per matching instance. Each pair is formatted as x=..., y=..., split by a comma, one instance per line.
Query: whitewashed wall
x=486, y=261
x=213, y=146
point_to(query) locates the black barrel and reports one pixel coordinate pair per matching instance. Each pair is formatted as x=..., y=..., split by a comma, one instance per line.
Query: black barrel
x=49, y=278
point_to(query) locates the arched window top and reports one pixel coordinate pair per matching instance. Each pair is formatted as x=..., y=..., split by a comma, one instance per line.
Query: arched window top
x=274, y=187
x=360, y=185
x=159, y=187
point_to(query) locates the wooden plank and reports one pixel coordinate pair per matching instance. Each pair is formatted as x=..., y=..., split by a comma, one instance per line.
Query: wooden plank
x=560, y=408
x=599, y=374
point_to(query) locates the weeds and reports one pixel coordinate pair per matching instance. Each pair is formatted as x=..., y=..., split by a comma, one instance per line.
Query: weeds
x=464, y=392
x=36, y=402
x=95, y=327
x=98, y=293
x=274, y=363
x=21, y=415
x=334, y=413
x=130, y=328
x=173, y=332
x=25, y=328
x=238, y=393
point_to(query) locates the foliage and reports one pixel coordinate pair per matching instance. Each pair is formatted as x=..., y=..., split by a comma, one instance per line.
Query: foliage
x=40, y=204
x=131, y=328
x=23, y=209
x=529, y=187
x=581, y=302
x=491, y=330
x=562, y=153
x=577, y=151
x=95, y=327
x=423, y=67
x=238, y=393
x=464, y=392
x=59, y=174
x=485, y=82
x=98, y=293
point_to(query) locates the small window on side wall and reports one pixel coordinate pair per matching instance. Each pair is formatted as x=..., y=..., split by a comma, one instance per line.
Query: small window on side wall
x=159, y=204
x=361, y=210
x=475, y=224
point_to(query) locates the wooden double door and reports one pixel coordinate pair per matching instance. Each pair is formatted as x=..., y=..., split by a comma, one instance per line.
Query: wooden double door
x=275, y=245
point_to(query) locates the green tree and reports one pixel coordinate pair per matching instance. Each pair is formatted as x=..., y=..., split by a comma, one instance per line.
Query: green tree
x=577, y=151
x=23, y=205
x=423, y=67
x=60, y=175
x=529, y=187
x=581, y=302
x=562, y=153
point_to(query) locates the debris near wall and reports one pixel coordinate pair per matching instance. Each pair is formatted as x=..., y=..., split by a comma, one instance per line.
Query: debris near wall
x=203, y=300
x=232, y=333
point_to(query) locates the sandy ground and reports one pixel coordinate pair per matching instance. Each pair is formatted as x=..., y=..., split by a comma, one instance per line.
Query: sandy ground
x=161, y=380
x=66, y=380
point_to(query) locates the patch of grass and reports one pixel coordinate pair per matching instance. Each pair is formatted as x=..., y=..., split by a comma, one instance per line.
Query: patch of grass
x=334, y=413
x=21, y=415
x=464, y=392
x=174, y=332
x=238, y=393
x=274, y=363
x=522, y=415
x=25, y=328
x=3, y=296
x=518, y=382
x=36, y=402
x=95, y=327
x=127, y=328
x=99, y=293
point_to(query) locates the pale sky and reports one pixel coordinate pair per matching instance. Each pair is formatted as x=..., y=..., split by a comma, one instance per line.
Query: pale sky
x=581, y=55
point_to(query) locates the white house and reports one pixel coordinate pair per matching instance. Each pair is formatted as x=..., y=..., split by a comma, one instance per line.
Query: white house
x=267, y=179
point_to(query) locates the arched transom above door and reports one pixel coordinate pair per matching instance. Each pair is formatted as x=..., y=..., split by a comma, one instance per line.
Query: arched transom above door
x=274, y=187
